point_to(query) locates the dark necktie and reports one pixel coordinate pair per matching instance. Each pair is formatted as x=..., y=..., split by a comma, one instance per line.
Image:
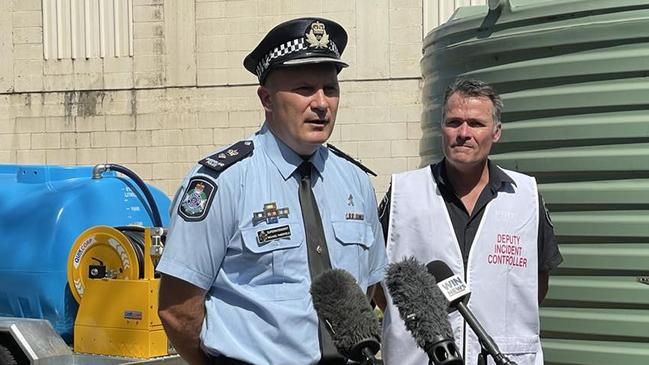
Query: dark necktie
x=318, y=254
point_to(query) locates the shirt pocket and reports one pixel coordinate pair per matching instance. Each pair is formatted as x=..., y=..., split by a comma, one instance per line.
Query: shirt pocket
x=353, y=233
x=355, y=239
x=275, y=267
x=521, y=349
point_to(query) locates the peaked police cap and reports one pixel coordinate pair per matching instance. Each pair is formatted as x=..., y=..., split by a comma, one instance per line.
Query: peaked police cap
x=298, y=42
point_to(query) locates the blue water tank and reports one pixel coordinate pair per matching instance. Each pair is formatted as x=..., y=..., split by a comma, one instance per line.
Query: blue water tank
x=42, y=211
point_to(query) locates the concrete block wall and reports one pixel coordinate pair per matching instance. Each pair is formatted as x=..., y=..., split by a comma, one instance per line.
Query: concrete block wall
x=185, y=92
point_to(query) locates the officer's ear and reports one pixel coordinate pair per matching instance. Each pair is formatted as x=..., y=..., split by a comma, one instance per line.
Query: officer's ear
x=497, y=131
x=264, y=97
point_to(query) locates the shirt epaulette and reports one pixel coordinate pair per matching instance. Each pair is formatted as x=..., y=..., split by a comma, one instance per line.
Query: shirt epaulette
x=228, y=156
x=349, y=158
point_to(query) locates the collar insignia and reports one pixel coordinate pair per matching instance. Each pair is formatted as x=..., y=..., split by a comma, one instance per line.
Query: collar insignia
x=350, y=200
x=318, y=36
x=270, y=214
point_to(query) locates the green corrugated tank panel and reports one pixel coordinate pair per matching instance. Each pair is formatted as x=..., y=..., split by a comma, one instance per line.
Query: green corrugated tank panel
x=574, y=76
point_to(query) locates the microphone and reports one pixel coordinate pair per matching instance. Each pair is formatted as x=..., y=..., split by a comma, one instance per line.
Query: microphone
x=423, y=308
x=345, y=309
x=455, y=290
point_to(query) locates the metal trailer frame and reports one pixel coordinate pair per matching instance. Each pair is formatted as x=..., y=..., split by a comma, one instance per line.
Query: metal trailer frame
x=42, y=345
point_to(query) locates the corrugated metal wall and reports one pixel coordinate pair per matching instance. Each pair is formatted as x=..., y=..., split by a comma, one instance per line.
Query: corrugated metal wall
x=575, y=80
x=87, y=28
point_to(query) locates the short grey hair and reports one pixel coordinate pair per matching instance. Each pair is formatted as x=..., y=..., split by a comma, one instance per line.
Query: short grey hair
x=475, y=88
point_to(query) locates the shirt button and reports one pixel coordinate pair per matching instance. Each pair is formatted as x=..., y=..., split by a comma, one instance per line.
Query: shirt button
x=318, y=249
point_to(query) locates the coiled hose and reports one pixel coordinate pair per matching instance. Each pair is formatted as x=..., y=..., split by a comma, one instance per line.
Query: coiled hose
x=153, y=211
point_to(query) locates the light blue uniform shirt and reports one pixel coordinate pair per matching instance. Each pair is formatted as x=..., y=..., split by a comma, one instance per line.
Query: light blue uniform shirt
x=259, y=309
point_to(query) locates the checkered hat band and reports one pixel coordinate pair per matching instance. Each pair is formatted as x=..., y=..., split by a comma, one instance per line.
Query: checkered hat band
x=287, y=48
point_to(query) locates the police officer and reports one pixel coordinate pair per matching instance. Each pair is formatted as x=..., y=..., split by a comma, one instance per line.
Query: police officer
x=256, y=221
x=487, y=223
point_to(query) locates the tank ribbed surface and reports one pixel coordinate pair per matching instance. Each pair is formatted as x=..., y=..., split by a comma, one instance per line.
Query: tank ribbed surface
x=574, y=79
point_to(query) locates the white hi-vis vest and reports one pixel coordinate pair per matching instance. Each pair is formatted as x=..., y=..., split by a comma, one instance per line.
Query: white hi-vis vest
x=502, y=269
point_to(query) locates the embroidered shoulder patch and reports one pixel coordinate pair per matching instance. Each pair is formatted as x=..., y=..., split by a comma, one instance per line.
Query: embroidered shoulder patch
x=349, y=158
x=197, y=199
x=227, y=157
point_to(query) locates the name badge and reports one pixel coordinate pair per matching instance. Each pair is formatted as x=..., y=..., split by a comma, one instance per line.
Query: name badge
x=267, y=235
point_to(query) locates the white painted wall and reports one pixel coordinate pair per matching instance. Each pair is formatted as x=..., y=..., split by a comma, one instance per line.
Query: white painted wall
x=184, y=91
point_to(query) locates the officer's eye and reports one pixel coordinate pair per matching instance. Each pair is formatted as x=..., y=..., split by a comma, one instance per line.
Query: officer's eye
x=474, y=123
x=304, y=90
x=453, y=123
x=331, y=90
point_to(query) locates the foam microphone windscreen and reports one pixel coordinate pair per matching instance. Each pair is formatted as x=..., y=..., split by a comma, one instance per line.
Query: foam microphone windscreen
x=341, y=303
x=421, y=304
x=439, y=270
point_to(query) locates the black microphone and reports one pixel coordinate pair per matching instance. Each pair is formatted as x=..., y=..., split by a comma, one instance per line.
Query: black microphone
x=423, y=308
x=347, y=312
x=455, y=290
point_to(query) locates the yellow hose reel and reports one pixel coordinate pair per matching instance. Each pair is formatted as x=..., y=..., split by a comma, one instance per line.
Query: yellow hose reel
x=102, y=247
x=111, y=275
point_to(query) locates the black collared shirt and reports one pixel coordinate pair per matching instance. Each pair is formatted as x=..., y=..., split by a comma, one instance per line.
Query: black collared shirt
x=466, y=225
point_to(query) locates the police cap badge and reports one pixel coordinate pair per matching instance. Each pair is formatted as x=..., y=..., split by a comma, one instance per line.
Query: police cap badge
x=297, y=42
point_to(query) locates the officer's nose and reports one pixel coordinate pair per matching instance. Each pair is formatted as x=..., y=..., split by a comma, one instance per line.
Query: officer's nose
x=319, y=101
x=464, y=131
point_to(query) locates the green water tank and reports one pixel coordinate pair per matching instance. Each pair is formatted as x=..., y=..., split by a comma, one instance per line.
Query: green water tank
x=574, y=76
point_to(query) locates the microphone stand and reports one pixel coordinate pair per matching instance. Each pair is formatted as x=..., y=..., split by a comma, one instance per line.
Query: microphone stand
x=487, y=344
x=482, y=357
x=499, y=360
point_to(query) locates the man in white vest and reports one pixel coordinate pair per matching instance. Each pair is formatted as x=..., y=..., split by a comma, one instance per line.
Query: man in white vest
x=487, y=223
